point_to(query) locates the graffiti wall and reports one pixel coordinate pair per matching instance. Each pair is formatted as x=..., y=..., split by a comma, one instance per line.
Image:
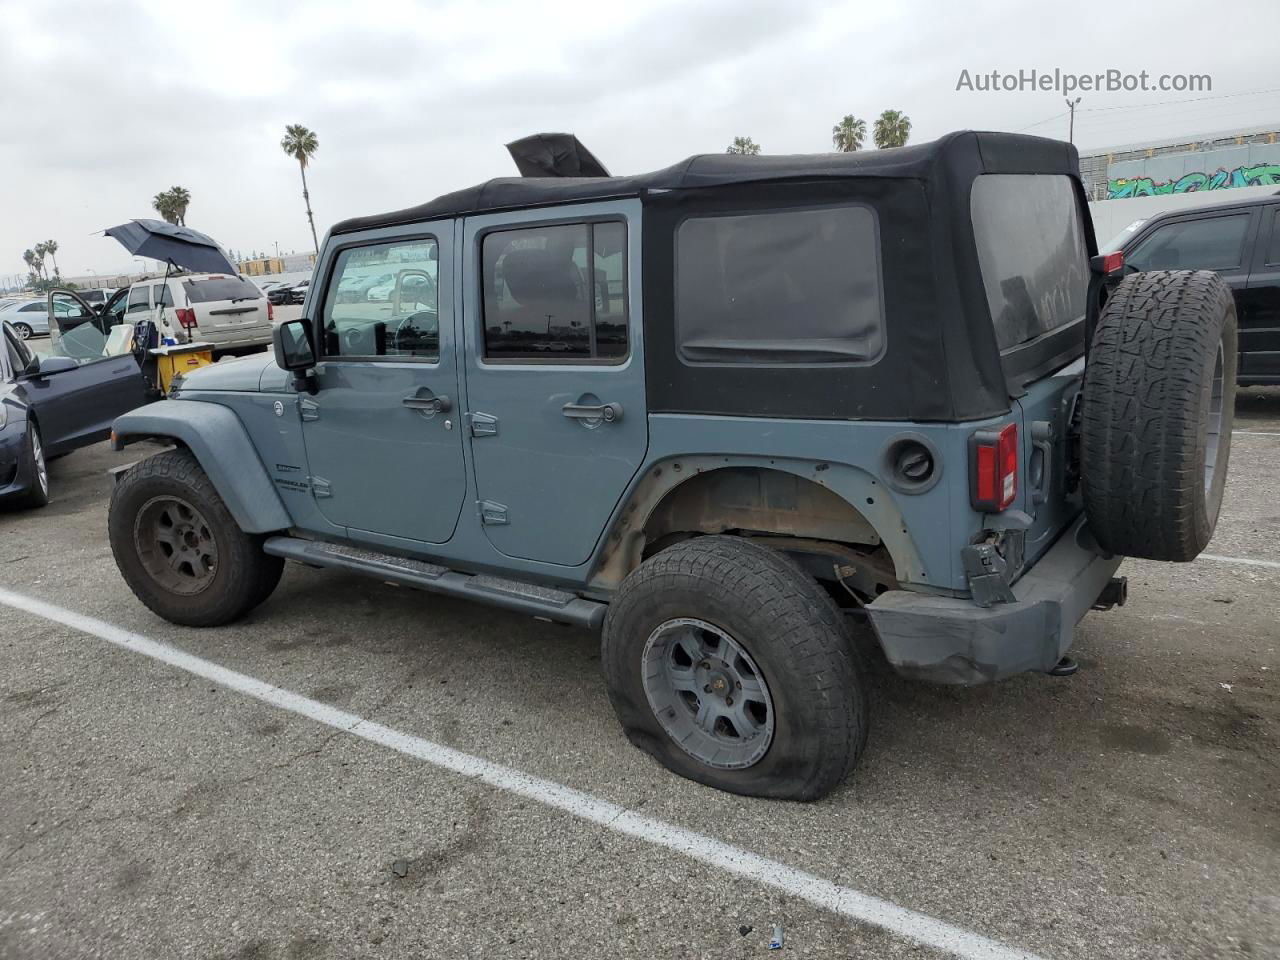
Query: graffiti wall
x=1247, y=165
x=1258, y=175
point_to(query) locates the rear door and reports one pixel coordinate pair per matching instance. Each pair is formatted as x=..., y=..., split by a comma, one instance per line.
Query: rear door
x=555, y=374
x=1260, y=331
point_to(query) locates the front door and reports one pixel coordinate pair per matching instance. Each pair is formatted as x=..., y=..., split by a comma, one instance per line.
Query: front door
x=555, y=374
x=77, y=406
x=1221, y=241
x=382, y=432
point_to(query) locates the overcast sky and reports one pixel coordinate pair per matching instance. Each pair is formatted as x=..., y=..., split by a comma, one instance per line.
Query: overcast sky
x=104, y=104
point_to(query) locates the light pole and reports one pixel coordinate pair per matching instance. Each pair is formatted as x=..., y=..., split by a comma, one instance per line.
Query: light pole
x=1071, y=124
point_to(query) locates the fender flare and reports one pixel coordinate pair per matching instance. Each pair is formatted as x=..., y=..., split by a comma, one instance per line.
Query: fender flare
x=219, y=441
x=622, y=542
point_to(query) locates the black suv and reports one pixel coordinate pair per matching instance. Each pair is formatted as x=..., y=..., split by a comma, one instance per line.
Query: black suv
x=1241, y=242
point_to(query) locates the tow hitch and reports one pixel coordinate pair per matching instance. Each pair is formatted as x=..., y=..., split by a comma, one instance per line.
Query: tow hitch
x=1114, y=594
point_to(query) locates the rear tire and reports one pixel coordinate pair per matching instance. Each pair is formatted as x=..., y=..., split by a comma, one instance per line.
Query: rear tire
x=179, y=548
x=1159, y=402
x=23, y=330
x=777, y=625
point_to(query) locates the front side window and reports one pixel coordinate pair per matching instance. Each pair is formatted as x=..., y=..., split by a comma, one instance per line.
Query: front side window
x=1215, y=243
x=1031, y=249
x=383, y=301
x=556, y=293
x=787, y=286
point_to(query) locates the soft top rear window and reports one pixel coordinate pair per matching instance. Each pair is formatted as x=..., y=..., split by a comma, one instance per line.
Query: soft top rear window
x=1031, y=248
x=786, y=286
x=220, y=288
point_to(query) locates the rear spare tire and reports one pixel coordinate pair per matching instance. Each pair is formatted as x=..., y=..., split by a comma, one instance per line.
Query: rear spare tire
x=1159, y=400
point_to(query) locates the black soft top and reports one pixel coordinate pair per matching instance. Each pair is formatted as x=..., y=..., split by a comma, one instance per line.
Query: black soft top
x=956, y=153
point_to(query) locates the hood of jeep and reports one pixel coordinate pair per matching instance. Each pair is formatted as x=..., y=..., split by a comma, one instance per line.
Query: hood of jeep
x=242, y=375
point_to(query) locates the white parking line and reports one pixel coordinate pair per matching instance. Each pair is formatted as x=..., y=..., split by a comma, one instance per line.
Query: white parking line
x=1269, y=564
x=771, y=873
x=1253, y=433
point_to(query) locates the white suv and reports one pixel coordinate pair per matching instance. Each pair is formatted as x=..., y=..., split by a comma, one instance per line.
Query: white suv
x=229, y=312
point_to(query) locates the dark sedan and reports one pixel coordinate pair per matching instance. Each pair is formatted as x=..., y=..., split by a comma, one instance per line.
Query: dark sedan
x=51, y=405
x=288, y=293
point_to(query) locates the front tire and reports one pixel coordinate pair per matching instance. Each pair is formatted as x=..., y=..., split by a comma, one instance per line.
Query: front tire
x=36, y=470
x=23, y=330
x=180, y=549
x=714, y=617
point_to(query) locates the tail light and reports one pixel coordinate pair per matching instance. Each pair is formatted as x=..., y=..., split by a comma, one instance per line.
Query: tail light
x=186, y=317
x=271, y=314
x=993, y=484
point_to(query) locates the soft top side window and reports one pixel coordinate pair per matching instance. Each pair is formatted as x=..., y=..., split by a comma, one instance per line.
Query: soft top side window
x=783, y=286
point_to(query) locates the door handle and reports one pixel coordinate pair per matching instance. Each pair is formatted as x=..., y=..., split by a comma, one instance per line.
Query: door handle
x=608, y=412
x=438, y=403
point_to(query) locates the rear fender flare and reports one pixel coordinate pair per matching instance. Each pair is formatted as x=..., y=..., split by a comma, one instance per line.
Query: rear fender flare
x=219, y=441
x=866, y=495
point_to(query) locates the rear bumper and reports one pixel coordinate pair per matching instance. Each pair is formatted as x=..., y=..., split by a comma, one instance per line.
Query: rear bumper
x=255, y=336
x=948, y=640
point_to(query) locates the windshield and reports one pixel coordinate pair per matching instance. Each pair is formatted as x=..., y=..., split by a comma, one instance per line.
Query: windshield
x=220, y=288
x=1031, y=248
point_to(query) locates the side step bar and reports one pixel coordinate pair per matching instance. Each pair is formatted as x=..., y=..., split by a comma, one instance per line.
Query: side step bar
x=558, y=605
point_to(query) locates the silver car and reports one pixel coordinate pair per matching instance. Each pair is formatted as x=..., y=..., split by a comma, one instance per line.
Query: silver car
x=30, y=318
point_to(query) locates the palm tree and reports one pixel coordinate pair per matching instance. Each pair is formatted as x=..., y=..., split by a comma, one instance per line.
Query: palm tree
x=301, y=144
x=892, y=129
x=52, y=247
x=848, y=134
x=33, y=261
x=163, y=203
x=179, y=200
x=42, y=251
x=744, y=145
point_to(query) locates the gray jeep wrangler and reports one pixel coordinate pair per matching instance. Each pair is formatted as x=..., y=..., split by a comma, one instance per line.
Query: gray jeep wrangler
x=723, y=413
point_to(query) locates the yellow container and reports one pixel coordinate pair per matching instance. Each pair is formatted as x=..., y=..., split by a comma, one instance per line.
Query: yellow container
x=179, y=359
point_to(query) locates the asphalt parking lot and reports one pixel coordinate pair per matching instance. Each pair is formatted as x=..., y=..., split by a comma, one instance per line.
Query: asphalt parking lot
x=146, y=811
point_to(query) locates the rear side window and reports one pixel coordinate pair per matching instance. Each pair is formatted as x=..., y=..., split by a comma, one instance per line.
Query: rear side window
x=1215, y=243
x=788, y=286
x=556, y=293
x=1035, y=267
x=162, y=295
x=139, y=300
x=220, y=288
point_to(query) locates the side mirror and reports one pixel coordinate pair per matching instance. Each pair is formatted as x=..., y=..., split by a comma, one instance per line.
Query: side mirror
x=293, y=346
x=50, y=365
x=295, y=351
